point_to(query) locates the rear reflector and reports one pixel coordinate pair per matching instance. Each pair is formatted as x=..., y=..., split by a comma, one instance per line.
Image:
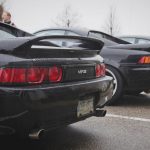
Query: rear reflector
x=144, y=60
x=100, y=70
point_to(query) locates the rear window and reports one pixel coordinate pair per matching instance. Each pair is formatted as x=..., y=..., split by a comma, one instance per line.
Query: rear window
x=50, y=32
x=7, y=31
x=143, y=41
x=129, y=39
x=4, y=34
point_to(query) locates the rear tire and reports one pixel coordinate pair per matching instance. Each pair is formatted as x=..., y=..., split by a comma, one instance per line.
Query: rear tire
x=117, y=84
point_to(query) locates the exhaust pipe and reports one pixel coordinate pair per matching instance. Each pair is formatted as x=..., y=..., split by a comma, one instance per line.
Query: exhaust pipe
x=36, y=134
x=100, y=113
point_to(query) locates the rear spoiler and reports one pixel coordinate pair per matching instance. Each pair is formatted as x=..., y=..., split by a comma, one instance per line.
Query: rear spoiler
x=76, y=43
x=109, y=37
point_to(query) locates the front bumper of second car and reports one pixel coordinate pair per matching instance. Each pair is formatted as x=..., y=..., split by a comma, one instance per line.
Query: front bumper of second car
x=49, y=107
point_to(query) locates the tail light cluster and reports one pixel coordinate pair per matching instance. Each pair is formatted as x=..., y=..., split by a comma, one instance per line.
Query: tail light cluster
x=38, y=75
x=100, y=70
x=144, y=60
x=33, y=75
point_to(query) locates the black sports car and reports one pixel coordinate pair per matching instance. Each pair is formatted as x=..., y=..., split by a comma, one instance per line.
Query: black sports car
x=128, y=64
x=44, y=86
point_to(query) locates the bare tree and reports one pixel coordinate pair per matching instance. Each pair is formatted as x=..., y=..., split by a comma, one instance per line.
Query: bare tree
x=112, y=26
x=67, y=18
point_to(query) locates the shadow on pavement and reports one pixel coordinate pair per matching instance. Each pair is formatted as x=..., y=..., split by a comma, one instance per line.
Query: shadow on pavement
x=139, y=100
x=62, y=139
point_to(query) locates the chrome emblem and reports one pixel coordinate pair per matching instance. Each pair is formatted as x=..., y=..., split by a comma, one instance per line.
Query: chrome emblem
x=82, y=71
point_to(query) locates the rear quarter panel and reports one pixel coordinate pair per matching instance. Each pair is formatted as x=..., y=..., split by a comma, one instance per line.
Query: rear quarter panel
x=117, y=57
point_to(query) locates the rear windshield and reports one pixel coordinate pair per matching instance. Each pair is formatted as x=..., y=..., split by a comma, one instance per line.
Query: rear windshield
x=7, y=31
x=4, y=35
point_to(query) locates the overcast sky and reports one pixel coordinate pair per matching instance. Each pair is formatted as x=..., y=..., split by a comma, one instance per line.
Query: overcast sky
x=133, y=16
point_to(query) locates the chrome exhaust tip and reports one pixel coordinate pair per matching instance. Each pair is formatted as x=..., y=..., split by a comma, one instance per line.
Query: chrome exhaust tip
x=36, y=134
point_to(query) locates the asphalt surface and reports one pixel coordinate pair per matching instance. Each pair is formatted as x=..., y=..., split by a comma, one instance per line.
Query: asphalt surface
x=126, y=127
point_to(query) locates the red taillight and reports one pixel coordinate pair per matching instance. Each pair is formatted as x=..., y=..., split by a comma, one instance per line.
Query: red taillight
x=103, y=68
x=6, y=75
x=55, y=74
x=18, y=75
x=33, y=75
x=36, y=75
x=12, y=75
x=144, y=60
x=100, y=70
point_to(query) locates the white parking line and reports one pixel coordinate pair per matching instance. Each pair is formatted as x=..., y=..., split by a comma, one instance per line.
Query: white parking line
x=127, y=117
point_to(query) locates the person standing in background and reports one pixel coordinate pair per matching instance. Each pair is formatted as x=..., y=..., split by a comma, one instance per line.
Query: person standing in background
x=6, y=17
x=1, y=11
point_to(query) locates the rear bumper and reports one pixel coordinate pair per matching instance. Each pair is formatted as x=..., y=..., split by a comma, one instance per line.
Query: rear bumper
x=137, y=77
x=50, y=106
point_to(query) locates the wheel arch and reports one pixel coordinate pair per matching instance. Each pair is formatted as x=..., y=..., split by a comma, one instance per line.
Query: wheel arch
x=116, y=66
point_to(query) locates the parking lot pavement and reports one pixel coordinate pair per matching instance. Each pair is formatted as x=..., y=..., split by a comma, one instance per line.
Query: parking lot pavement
x=132, y=106
x=119, y=130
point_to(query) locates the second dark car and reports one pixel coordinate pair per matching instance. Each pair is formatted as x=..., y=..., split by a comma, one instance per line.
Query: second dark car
x=128, y=64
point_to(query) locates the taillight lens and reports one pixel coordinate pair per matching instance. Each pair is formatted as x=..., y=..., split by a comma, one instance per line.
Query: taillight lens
x=103, y=69
x=55, y=74
x=34, y=75
x=12, y=75
x=6, y=75
x=100, y=70
x=19, y=75
x=144, y=60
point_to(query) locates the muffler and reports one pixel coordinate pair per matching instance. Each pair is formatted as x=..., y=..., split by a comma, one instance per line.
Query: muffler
x=36, y=134
x=100, y=113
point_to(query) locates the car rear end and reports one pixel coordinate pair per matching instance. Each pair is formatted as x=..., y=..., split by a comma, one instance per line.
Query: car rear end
x=46, y=86
x=138, y=73
x=135, y=66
